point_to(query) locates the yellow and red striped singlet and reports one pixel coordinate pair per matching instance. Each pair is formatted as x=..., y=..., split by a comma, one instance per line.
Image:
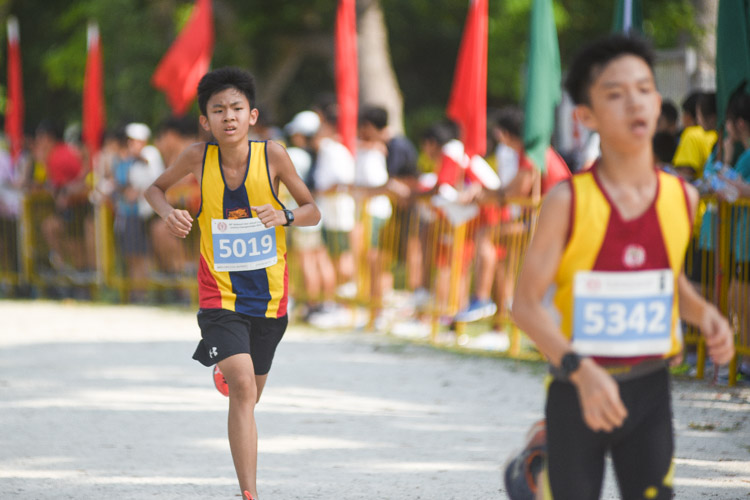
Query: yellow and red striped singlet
x=616, y=285
x=242, y=264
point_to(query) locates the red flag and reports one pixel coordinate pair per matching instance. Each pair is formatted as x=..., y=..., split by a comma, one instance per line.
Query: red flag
x=93, y=93
x=187, y=60
x=14, y=104
x=347, y=80
x=468, y=101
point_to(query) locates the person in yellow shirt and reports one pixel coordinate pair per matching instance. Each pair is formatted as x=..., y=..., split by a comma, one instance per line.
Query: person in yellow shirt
x=695, y=142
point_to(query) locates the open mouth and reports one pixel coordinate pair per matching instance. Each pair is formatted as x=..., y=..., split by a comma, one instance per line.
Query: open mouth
x=639, y=126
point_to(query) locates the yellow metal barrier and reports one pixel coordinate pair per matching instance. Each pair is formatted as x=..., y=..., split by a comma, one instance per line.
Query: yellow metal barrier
x=10, y=270
x=734, y=274
x=701, y=266
x=420, y=245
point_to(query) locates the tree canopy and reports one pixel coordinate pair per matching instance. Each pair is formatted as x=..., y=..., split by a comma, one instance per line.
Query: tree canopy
x=265, y=36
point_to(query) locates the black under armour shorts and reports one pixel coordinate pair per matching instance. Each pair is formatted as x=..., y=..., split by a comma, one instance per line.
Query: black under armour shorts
x=226, y=333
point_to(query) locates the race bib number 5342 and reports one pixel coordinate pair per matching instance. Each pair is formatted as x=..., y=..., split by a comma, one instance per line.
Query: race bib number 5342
x=243, y=244
x=619, y=314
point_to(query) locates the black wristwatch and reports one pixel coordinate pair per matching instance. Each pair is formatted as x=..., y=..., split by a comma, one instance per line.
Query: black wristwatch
x=289, y=217
x=569, y=364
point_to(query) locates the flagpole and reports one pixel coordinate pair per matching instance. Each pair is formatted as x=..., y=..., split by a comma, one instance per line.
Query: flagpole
x=627, y=21
x=92, y=34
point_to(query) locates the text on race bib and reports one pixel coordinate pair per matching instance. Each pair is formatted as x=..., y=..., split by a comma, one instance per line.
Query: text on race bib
x=619, y=314
x=242, y=244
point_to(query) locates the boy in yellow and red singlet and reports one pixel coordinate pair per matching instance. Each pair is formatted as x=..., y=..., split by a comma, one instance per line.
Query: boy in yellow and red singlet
x=611, y=243
x=242, y=273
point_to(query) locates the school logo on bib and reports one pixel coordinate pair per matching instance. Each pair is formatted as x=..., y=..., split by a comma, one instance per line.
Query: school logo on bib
x=634, y=256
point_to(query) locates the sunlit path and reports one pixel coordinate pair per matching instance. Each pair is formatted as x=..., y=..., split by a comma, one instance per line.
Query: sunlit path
x=105, y=402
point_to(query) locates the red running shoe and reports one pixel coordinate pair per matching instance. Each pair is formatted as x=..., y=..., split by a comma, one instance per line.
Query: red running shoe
x=220, y=382
x=246, y=494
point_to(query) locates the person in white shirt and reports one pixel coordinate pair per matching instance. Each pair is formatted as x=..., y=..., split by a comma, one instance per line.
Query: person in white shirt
x=333, y=177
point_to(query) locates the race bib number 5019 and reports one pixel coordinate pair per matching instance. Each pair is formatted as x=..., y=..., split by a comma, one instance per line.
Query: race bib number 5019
x=243, y=244
x=619, y=314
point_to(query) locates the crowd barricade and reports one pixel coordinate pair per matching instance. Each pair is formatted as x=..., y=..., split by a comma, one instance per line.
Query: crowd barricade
x=57, y=244
x=450, y=245
x=10, y=251
x=734, y=274
x=421, y=245
x=701, y=266
x=432, y=247
x=143, y=263
x=69, y=248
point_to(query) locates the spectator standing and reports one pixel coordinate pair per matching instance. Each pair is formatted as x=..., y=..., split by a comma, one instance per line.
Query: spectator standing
x=318, y=272
x=738, y=128
x=333, y=177
x=695, y=142
x=174, y=136
x=69, y=231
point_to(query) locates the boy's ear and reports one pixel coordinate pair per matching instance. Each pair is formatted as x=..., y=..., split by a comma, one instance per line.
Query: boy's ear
x=253, y=115
x=204, y=123
x=585, y=116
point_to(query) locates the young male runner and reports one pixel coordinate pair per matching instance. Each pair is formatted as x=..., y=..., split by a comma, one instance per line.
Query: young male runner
x=242, y=274
x=612, y=242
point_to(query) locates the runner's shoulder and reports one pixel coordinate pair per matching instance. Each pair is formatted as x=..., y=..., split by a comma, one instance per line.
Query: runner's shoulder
x=559, y=198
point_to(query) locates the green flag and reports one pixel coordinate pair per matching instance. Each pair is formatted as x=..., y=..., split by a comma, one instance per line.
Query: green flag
x=543, y=91
x=732, y=52
x=628, y=17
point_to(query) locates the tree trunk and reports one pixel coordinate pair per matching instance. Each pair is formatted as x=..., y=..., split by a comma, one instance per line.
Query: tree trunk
x=377, y=79
x=293, y=53
x=706, y=12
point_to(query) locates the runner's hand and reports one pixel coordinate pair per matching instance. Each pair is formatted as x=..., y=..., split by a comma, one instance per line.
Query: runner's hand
x=599, y=397
x=269, y=216
x=179, y=222
x=718, y=334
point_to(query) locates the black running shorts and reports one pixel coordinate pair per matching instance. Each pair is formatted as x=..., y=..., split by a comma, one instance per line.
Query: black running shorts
x=641, y=449
x=226, y=333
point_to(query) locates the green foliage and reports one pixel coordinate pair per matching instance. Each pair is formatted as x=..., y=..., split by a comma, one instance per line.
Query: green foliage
x=424, y=36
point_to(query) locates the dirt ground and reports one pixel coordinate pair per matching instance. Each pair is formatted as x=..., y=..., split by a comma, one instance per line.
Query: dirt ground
x=105, y=402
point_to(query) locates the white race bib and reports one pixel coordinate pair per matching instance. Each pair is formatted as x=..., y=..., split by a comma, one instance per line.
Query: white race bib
x=243, y=244
x=623, y=314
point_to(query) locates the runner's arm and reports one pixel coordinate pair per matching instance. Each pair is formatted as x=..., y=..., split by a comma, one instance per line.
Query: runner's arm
x=598, y=392
x=179, y=222
x=307, y=213
x=716, y=330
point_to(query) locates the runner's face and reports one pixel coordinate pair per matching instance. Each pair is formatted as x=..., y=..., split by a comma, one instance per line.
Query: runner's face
x=625, y=104
x=229, y=116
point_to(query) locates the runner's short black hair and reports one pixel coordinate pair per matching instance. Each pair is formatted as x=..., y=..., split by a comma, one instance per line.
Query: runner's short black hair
x=224, y=78
x=377, y=116
x=591, y=60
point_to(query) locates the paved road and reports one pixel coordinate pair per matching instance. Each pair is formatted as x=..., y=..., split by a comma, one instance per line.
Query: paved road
x=104, y=402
